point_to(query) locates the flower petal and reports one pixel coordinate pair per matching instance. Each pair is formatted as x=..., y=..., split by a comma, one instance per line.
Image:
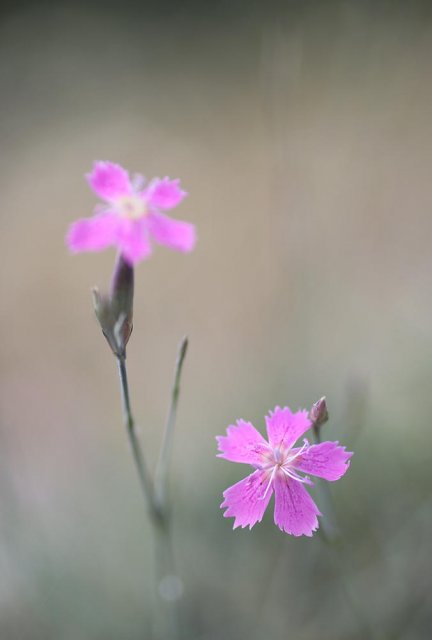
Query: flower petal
x=175, y=234
x=94, y=234
x=243, y=443
x=134, y=242
x=295, y=511
x=247, y=500
x=285, y=427
x=327, y=460
x=109, y=181
x=164, y=194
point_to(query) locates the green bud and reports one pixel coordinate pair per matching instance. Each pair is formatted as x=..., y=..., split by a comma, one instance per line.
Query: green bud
x=115, y=311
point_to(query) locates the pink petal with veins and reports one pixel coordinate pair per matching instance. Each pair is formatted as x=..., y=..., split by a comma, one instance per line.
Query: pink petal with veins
x=247, y=500
x=295, y=511
x=327, y=460
x=243, y=443
x=285, y=427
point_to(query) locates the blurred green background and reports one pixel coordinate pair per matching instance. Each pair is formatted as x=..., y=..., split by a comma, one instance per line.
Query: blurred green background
x=303, y=133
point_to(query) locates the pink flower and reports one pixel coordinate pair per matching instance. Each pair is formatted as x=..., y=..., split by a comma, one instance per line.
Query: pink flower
x=131, y=215
x=278, y=466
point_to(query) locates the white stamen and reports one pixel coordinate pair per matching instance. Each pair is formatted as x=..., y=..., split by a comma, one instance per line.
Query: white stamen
x=299, y=452
x=294, y=476
x=269, y=482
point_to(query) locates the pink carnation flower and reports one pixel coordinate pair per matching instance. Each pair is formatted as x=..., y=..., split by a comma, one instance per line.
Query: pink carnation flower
x=278, y=466
x=131, y=216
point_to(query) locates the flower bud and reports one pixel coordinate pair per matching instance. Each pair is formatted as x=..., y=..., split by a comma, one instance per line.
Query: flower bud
x=319, y=414
x=115, y=312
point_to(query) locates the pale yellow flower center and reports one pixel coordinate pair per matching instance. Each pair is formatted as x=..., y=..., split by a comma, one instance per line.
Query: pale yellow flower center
x=132, y=207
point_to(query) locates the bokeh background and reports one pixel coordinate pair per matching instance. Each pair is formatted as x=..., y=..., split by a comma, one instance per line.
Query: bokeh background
x=303, y=133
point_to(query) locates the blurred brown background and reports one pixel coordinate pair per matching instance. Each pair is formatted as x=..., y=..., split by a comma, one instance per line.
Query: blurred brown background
x=303, y=133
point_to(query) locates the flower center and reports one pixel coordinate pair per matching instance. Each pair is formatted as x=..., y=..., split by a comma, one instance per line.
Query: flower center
x=279, y=456
x=281, y=464
x=132, y=207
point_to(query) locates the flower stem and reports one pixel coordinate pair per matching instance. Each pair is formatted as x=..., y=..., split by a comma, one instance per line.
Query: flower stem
x=331, y=536
x=161, y=474
x=140, y=463
x=168, y=584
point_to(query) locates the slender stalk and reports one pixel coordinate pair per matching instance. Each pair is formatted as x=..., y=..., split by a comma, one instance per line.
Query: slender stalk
x=161, y=474
x=168, y=585
x=115, y=316
x=144, y=476
x=317, y=434
x=331, y=536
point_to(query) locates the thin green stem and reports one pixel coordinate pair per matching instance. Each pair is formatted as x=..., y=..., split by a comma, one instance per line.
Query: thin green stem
x=167, y=583
x=144, y=476
x=161, y=474
x=331, y=536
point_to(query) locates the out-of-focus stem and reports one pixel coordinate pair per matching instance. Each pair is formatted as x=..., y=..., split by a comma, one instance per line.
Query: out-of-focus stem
x=144, y=476
x=161, y=475
x=115, y=315
x=335, y=549
x=331, y=536
x=168, y=585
